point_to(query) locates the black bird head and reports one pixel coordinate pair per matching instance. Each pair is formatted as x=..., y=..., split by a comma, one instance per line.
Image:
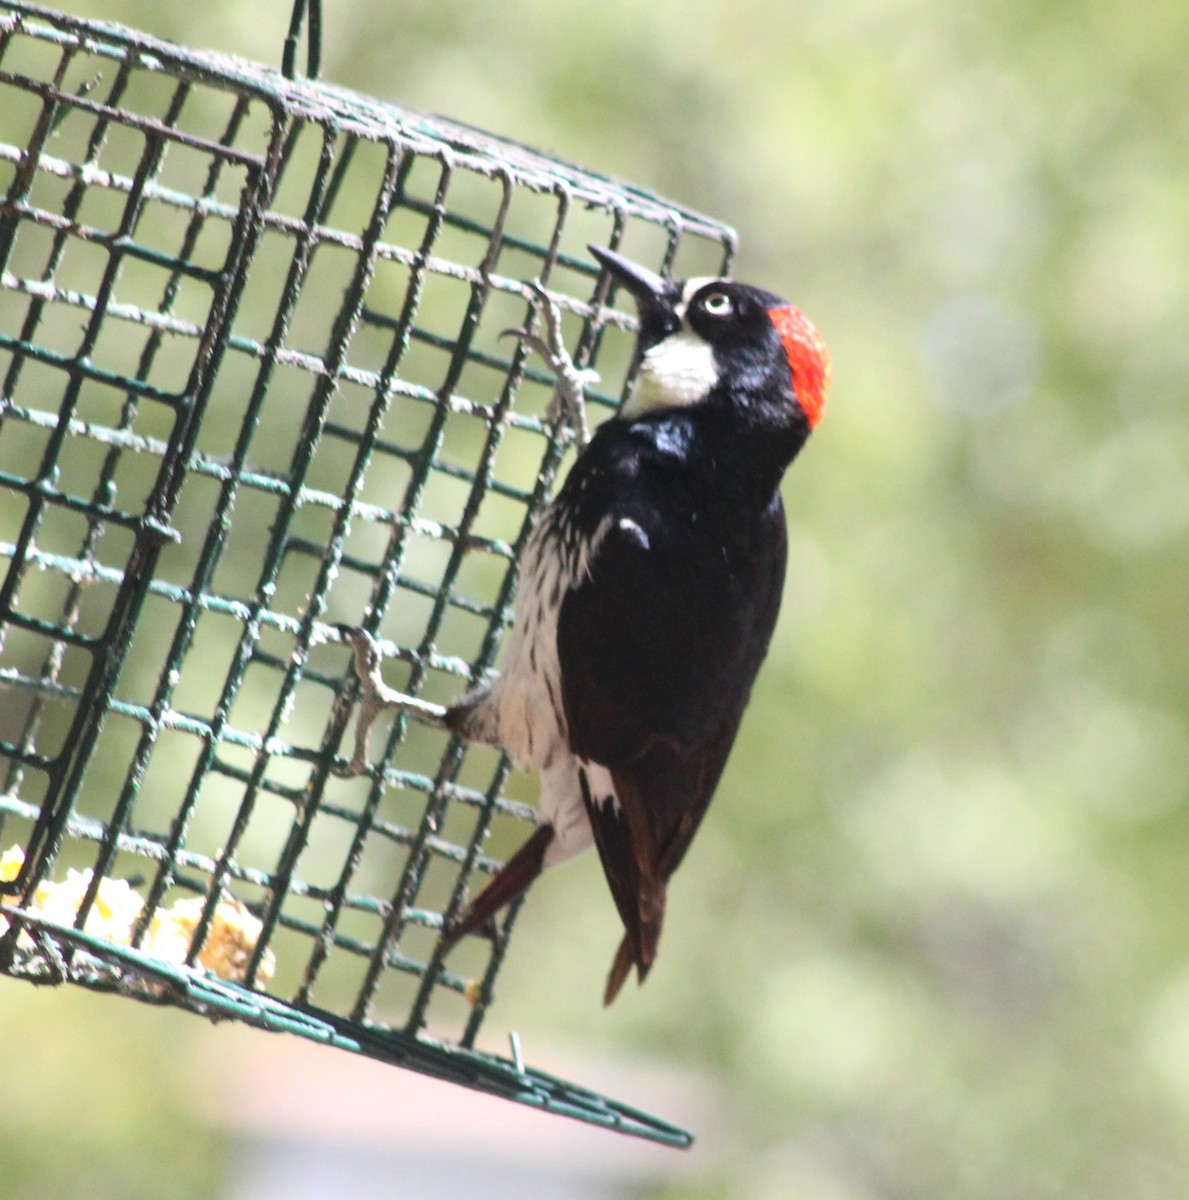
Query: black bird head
x=706, y=336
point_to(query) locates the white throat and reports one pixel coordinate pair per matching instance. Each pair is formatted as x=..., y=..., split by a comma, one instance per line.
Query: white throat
x=678, y=371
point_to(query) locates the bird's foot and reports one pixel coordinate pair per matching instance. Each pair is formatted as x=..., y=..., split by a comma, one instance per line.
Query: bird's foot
x=376, y=697
x=567, y=408
x=488, y=929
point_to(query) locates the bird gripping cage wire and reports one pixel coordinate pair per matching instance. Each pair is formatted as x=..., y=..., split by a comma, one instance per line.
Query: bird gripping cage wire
x=252, y=388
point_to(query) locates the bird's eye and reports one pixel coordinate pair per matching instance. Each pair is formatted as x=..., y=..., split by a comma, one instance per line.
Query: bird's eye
x=717, y=304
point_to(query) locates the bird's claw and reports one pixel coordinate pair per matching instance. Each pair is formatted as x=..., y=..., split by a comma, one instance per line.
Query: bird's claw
x=375, y=697
x=488, y=929
x=568, y=404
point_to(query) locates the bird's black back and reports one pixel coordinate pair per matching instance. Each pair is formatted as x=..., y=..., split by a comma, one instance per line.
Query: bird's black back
x=660, y=644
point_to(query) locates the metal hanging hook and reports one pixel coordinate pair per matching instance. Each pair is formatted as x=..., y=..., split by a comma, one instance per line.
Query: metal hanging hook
x=313, y=39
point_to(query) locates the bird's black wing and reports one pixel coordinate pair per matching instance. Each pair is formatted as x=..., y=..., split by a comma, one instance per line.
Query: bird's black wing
x=659, y=645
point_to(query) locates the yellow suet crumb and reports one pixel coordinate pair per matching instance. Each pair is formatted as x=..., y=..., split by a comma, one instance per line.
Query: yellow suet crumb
x=230, y=941
x=226, y=951
x=11, y=862
x=112, y=916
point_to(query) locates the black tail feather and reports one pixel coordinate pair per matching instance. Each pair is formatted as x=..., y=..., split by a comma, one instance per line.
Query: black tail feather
x=625, y=959
x=639, y=895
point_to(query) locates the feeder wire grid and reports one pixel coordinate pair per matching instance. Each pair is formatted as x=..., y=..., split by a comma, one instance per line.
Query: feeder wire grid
x=252, y=388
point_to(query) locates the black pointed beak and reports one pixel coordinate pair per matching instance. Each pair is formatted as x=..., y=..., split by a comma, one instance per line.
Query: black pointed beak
x=656, y=297
x=648, y=289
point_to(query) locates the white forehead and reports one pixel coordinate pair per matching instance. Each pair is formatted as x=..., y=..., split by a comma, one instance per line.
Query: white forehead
x=691, y=289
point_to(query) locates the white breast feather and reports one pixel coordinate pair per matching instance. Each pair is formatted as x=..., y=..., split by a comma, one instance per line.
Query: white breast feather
x=528, y=694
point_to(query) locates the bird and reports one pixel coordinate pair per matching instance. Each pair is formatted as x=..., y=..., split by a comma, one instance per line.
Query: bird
x=647, y=595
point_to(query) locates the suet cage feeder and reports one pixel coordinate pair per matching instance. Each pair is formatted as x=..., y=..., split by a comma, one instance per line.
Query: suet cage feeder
x=251, y=388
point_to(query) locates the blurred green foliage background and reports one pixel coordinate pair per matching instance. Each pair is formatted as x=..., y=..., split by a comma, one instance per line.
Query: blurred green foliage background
x=934, y=939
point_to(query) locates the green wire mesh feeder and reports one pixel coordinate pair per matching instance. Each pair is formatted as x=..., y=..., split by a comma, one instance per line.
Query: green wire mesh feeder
x=252, y=388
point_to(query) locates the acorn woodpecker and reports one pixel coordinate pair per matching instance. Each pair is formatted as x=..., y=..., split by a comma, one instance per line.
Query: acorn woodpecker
x=648, y=592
